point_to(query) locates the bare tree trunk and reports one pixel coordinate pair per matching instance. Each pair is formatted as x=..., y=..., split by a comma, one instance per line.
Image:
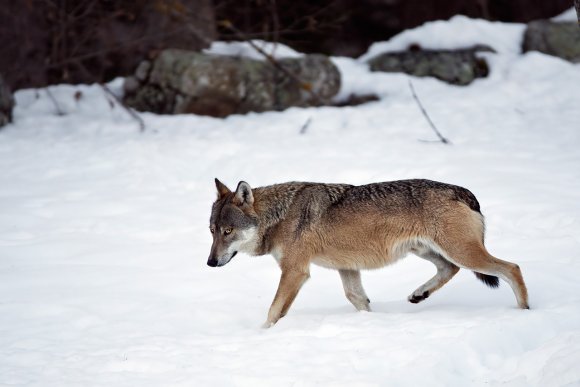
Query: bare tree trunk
x=577, y=6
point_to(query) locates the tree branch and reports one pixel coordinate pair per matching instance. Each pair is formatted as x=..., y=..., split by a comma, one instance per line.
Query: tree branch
x=127, y=108
x=303, y=85
x=305, y=125
x=441, y=138
x=59, y=111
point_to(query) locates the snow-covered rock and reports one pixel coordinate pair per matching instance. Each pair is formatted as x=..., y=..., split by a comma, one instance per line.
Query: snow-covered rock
x=459, y=66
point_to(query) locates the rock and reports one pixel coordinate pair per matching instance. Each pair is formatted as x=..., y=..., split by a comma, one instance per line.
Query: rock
x=6, y=103
x=143, y=70
x=131, y=85
x=357, y=99
x=459, y=67
x=561, y=39
x=180, y=81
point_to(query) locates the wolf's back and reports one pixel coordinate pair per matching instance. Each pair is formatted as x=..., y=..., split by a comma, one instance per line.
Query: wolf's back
x=407, y=193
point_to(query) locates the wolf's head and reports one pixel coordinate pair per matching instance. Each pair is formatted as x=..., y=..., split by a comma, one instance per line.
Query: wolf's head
x=233, y=223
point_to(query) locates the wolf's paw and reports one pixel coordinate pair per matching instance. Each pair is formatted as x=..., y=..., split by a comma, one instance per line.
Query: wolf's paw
x=267, y=324
x=416, y=298
x=360, y=301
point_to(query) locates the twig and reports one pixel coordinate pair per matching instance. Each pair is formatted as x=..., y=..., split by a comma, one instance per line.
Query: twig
x=313, y=15
x=275, y=24
x=59, y=111
x=304, y=85
x=441, y=138
x=125, y=45
x=127, y=108
x=306, y=125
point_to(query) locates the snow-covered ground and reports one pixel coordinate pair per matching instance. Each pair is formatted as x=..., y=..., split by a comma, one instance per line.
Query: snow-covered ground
x=104, y=235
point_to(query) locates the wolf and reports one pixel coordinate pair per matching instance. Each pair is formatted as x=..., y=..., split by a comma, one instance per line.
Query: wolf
x=350, y=228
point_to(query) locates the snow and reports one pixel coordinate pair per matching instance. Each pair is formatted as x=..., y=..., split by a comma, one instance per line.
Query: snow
x=245, y=49
x=567, y=16
x=457, y=32
x=104, y=235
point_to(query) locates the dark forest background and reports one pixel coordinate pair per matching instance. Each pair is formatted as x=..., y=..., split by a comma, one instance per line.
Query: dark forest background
x=45, y=42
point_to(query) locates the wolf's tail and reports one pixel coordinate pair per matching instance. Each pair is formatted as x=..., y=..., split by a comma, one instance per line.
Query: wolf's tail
x=490, y=280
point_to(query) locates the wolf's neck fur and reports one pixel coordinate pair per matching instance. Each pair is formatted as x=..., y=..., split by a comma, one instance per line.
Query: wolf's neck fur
x=271, y=204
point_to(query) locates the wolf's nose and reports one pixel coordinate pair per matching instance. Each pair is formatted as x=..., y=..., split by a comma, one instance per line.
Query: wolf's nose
x=212, y=262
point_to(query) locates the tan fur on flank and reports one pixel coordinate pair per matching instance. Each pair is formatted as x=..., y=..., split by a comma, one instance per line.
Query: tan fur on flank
x=351, y=228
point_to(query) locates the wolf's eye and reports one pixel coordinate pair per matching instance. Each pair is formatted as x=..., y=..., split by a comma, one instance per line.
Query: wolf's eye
x=212, y=230
x=228, y=231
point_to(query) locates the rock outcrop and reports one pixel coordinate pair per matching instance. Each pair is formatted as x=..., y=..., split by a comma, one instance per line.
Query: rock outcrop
x=179, y=81
x=459, y=67
x=561, y=39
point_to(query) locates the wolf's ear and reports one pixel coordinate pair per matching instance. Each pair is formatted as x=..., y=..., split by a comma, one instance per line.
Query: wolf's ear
x=244, y=194
x=221, y=188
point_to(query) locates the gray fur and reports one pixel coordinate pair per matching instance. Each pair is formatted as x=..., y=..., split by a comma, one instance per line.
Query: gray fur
x=407, y=192
x=351, y=228
x=311, y=201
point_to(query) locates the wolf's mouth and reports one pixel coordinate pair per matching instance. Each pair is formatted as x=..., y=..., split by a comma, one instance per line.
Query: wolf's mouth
x=229, y=260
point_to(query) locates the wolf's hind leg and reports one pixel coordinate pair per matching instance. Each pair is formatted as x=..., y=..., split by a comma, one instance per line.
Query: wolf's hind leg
x=445, y=271
x=461, y=238
x=474, y=256
x=353, y=289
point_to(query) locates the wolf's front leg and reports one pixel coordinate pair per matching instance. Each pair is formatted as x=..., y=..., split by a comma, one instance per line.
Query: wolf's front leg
x=290, y=283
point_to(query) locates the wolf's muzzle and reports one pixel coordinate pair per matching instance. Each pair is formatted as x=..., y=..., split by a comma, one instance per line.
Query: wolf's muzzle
x=215, y=262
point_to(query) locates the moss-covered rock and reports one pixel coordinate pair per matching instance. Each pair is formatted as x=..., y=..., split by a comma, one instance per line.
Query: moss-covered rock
x=459, y=67
x=179, y=81
x=560, y=39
